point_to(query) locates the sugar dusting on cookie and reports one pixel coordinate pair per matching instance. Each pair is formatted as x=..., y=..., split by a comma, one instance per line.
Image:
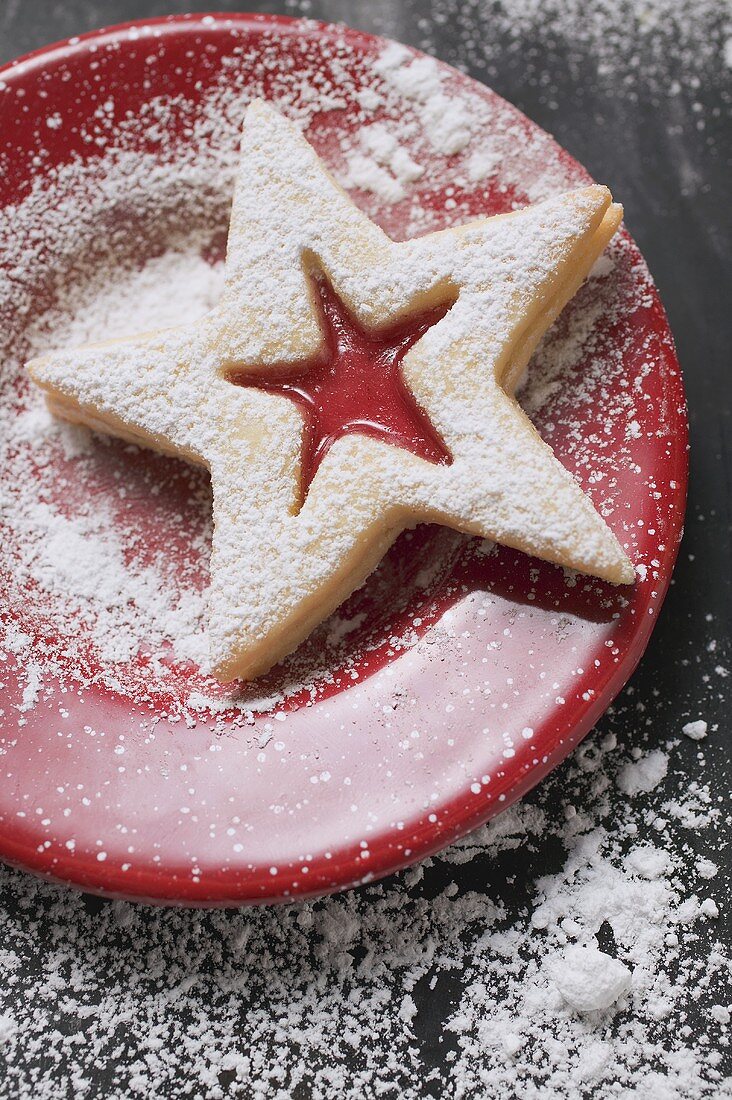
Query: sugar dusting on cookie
x=183, y=207
x=278, y=570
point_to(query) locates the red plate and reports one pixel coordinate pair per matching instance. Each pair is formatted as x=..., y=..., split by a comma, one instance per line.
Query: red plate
x=459, y=675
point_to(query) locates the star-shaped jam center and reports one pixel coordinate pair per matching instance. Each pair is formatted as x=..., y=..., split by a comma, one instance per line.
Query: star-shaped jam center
x=354, y=385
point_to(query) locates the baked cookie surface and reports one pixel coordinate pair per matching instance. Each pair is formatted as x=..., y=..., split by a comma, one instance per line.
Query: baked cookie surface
x=293, y=537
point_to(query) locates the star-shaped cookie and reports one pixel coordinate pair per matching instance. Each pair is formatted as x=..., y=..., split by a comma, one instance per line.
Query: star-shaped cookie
x=287, y=549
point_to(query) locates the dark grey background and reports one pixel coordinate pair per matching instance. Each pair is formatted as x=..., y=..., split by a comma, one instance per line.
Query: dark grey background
x=651, y=119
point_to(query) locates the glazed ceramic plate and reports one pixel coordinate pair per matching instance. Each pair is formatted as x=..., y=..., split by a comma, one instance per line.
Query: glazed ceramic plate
x=461, y=673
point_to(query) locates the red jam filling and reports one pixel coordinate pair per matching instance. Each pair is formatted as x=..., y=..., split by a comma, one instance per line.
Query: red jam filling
x=355, y=385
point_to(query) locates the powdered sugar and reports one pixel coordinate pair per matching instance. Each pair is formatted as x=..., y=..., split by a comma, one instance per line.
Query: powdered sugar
x=8, y=1029
x=589, y=980
x=164, y=291
x=86, y=564
x=385, y=167
x=697, y=730
x=80, y=564
x=644, y=774
x=31, y=690
x=445, y=119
